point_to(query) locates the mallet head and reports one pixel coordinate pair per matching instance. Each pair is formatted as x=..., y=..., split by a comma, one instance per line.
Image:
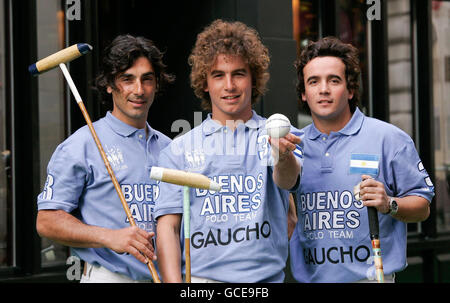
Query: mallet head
x=63, y=56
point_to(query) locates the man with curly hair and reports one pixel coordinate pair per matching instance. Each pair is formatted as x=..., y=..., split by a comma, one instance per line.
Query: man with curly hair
x=239, y=234
x=343, y=148
x=79, y=206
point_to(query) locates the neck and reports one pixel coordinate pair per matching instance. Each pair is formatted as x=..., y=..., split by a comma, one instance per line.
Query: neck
x=326, y=126
x=231, y=121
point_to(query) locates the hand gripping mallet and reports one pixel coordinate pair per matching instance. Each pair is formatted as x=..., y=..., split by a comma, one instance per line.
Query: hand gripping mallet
x=59, y=58
x=374, y=231
x=186, y=179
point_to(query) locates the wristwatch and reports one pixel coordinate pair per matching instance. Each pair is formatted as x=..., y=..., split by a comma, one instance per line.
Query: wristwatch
x=393, y=206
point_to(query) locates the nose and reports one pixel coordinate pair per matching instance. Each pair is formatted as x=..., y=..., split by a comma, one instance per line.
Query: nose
x=229, y=83
x=138, y=88
x=324, y=88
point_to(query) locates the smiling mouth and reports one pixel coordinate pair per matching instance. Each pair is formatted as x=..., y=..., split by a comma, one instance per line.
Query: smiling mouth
x=137, y=101
x=231, y=97
x=325, y=101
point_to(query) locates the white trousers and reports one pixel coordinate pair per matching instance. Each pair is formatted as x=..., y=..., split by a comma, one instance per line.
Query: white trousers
x=387, y=279
x=99, y=274
x=203, y=280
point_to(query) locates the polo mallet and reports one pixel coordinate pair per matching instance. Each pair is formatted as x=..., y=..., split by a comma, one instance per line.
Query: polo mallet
x=59, y=58
x=187, y=180
x=187, y=231
x=374, y=231
x=375, y=239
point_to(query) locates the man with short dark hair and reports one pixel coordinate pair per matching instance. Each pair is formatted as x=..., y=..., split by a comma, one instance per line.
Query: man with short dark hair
x=79, y=206
x=343, y=147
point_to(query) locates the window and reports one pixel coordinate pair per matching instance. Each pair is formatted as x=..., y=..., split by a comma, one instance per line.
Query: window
x=51, y=38
x=305, y=28
x=351, y=25
x=344, y=19
x=440, y=17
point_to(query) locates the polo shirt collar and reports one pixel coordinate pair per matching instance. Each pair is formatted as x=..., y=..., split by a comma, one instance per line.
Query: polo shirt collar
x=354, y=125
x=211, y=126
x=351, y=128
x=124, y=129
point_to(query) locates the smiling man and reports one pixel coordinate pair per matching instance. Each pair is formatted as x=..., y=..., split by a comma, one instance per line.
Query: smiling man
x=239, y=234
x=79, y=206
x=331, y=240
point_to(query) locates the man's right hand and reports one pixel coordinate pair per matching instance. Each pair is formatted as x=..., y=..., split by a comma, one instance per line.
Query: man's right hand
x=132, y=240
x=64, y=228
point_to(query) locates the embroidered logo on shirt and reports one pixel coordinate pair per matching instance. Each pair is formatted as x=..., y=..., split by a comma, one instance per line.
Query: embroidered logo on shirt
x=195, y=158
x=115, y=158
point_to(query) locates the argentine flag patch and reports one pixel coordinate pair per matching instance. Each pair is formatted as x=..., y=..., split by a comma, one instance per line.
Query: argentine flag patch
x=364, y=164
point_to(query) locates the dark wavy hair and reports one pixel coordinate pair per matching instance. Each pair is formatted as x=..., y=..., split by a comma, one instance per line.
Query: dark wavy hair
x=330, y=46
x=120, y=55
x=228, y=38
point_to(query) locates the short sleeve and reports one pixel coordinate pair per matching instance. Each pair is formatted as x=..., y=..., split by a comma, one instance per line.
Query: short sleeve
x=409, y=176
x=66, y=177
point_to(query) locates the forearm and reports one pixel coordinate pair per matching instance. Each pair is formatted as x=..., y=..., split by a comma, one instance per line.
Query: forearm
x=65, y=229
x=168, y=248
x=412, y=209
x=286, y=171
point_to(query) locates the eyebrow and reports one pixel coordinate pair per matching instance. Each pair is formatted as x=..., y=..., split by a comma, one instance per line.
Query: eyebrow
x=328, y=77
x=239, y=70
x=125, y=75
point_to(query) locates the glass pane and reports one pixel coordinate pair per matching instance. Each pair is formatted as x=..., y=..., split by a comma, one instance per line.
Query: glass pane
x=305, y=22
x=50, y=34
x=441, y=91
x=5, y=214
x=351, y=22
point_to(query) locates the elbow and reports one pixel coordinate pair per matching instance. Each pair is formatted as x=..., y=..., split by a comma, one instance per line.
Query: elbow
x=421, y=214
x=425, y=212
x=41, y=225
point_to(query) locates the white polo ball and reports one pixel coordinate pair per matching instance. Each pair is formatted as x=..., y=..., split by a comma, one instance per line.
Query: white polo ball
x=278, y=126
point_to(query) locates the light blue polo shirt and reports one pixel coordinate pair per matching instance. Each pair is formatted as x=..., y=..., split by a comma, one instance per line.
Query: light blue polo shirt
x=77, y=181
x=331, y=241
x=240, y=233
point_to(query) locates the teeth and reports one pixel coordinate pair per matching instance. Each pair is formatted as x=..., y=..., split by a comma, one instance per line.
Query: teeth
x=230, y=97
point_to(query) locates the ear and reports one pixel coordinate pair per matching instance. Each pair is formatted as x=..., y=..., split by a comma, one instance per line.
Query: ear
x=350, y=94
x=303, y=97
x=109, y=89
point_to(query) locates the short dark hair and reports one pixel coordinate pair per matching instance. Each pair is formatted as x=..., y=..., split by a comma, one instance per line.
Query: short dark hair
x=120, y=55
x=330, y=46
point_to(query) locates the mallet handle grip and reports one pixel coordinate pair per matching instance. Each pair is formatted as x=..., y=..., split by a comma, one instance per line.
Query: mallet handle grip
x=180, y=177
x=63, y=56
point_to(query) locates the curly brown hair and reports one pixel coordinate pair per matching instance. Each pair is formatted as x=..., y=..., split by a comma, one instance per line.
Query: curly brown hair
x=331, y=46
x=228, y=38
x=120, y=55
